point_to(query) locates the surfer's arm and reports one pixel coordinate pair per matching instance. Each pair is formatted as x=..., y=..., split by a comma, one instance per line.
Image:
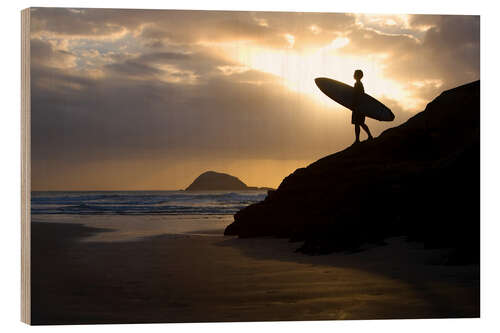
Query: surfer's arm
x=356, y=95
x=358, y=91
x=355, y=99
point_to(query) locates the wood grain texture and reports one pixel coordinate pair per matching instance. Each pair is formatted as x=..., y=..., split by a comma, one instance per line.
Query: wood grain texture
x=25, y=168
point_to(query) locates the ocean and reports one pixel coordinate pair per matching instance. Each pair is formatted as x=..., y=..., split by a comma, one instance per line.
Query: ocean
x=128, y=215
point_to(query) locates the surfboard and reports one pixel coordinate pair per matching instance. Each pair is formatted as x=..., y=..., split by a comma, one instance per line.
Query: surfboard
x=343, y=94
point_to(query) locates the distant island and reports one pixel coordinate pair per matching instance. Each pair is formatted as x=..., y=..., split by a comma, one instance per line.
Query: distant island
x=216, y=181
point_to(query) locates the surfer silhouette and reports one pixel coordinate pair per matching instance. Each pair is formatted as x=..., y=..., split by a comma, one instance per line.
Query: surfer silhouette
x=358, y=118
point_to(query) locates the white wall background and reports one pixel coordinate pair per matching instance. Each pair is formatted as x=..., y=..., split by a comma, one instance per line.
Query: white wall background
x=10, y=163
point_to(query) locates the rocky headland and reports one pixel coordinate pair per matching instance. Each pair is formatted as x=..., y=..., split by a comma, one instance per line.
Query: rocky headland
x=419, y=180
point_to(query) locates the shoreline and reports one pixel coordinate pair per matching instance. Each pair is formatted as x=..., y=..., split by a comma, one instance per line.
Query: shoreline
x=193, y=278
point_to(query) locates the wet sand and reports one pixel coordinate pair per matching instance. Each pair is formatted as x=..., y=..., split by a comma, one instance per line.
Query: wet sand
x=192, y=278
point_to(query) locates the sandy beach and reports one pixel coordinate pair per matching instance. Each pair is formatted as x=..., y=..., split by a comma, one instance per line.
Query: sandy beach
x=193, y=278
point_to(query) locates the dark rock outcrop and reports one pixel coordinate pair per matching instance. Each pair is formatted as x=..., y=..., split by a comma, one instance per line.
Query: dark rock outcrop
x=216, y=181
x=420, y=179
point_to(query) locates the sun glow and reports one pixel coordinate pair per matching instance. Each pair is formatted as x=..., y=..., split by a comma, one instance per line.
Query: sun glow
x=297, y=69
x=339, y=43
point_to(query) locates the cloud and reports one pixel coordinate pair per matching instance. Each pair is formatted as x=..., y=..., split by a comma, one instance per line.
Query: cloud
x=134, y=69
x=448, y=52
x=89, y=23
x=156, y=27
x=44, y=54
x=127, y=87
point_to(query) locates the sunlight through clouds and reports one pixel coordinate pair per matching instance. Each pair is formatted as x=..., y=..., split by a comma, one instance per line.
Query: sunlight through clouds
x=298, y=70
x=224, y=86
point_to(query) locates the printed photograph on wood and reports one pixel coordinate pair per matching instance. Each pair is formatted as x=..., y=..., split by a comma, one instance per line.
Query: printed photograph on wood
x=227, y=166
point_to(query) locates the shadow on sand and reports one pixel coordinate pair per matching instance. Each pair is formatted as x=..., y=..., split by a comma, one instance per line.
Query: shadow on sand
x=452, y=291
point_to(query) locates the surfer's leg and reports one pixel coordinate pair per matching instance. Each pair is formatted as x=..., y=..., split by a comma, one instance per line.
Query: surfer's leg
x=367, y=130
x=356, y=131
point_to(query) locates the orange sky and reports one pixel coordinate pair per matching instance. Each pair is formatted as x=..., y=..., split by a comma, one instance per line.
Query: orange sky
x=141, y=99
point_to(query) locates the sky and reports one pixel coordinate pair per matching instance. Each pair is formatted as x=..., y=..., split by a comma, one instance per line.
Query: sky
x=149, y=100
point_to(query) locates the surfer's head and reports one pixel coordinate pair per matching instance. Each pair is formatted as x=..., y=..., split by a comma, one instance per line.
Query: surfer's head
x=358, y=74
